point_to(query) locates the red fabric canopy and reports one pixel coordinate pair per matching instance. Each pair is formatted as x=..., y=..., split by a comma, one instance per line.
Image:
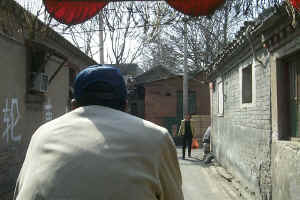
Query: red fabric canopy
x=196, y=7
x=296, y=4
x=73, y=12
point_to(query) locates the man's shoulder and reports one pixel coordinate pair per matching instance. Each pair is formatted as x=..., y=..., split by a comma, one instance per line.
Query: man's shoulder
x=146, y=127
x=151, y=125
x=159, y=134
x=142, y=123
x=133, y=120
x=141, y=129
x=103, y=117
x=50, y=126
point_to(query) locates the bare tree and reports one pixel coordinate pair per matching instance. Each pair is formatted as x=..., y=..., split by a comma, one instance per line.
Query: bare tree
x=155, y=29
x=122, y=25
x=119, y=20
x=204, y=36
x=27, y=19
x=128, y=27
x=207, y=36
x=137, y=22
x=83, y=36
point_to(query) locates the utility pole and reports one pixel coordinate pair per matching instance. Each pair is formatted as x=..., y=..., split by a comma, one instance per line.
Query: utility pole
x=185, y=75
x=101, y=40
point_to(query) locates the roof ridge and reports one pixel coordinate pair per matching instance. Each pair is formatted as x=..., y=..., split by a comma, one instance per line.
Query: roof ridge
x=241, y=37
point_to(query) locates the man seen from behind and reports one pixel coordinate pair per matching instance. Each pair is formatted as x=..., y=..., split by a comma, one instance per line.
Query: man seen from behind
x=97, y=151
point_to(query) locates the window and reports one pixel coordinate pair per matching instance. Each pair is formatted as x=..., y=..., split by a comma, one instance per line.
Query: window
x=247, y=84
x=220, y=98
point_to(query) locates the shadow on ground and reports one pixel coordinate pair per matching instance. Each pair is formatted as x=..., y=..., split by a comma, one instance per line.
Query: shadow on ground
x=196, y=159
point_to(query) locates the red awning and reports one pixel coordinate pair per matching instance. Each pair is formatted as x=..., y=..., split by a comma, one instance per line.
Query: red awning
x=73, y=12
x=296, y=4
x=196, y=7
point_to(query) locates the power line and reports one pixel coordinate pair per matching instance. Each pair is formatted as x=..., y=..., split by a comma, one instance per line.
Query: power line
x=124, y=28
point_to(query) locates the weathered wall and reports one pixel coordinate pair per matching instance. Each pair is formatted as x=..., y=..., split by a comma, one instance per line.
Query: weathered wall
x=285, y=151
x=12, y=124
x=285, y=170
x=241, y=137
x=21, y=114
x=157, y=92
x=165, y=92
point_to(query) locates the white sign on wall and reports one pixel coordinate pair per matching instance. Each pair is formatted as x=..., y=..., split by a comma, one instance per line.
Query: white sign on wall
x=11, y=117
x=48, y=111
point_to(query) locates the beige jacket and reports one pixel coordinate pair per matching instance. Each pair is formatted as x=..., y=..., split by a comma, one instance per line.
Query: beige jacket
x=96, y=152
x=182, y=128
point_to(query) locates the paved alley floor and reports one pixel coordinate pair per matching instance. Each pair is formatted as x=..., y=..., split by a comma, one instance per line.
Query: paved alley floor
x=201, y=181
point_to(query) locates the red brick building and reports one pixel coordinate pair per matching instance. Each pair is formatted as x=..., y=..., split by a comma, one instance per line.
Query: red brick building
x=163, y=96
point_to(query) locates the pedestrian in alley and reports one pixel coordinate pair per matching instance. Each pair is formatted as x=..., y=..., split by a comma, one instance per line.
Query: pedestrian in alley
x=187, y=131
x=97, y=151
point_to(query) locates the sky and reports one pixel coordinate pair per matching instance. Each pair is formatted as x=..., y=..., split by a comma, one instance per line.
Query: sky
x=34, y=6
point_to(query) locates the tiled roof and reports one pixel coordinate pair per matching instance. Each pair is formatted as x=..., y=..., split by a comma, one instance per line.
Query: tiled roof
x=128, y=69
x=51, y=34
x=155, y=74
x=240, y=41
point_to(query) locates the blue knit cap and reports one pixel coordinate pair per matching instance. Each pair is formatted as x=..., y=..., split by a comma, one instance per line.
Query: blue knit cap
x=90, y=79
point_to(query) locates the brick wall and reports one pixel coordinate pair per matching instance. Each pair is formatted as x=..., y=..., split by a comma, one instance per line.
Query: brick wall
x=285, y=150
x=161, y=99
x=241, y=138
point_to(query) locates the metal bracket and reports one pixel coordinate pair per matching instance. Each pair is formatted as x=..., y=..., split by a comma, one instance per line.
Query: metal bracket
x=57, y=70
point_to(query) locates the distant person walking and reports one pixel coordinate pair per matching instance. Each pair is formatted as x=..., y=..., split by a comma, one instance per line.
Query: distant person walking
x=187, y=131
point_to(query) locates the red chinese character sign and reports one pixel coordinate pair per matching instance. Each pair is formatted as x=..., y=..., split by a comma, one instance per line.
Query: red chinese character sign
x=296, y=4
x=78, y=11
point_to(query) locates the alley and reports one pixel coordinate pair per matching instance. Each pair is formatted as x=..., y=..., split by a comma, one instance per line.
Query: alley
x=201, y=181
